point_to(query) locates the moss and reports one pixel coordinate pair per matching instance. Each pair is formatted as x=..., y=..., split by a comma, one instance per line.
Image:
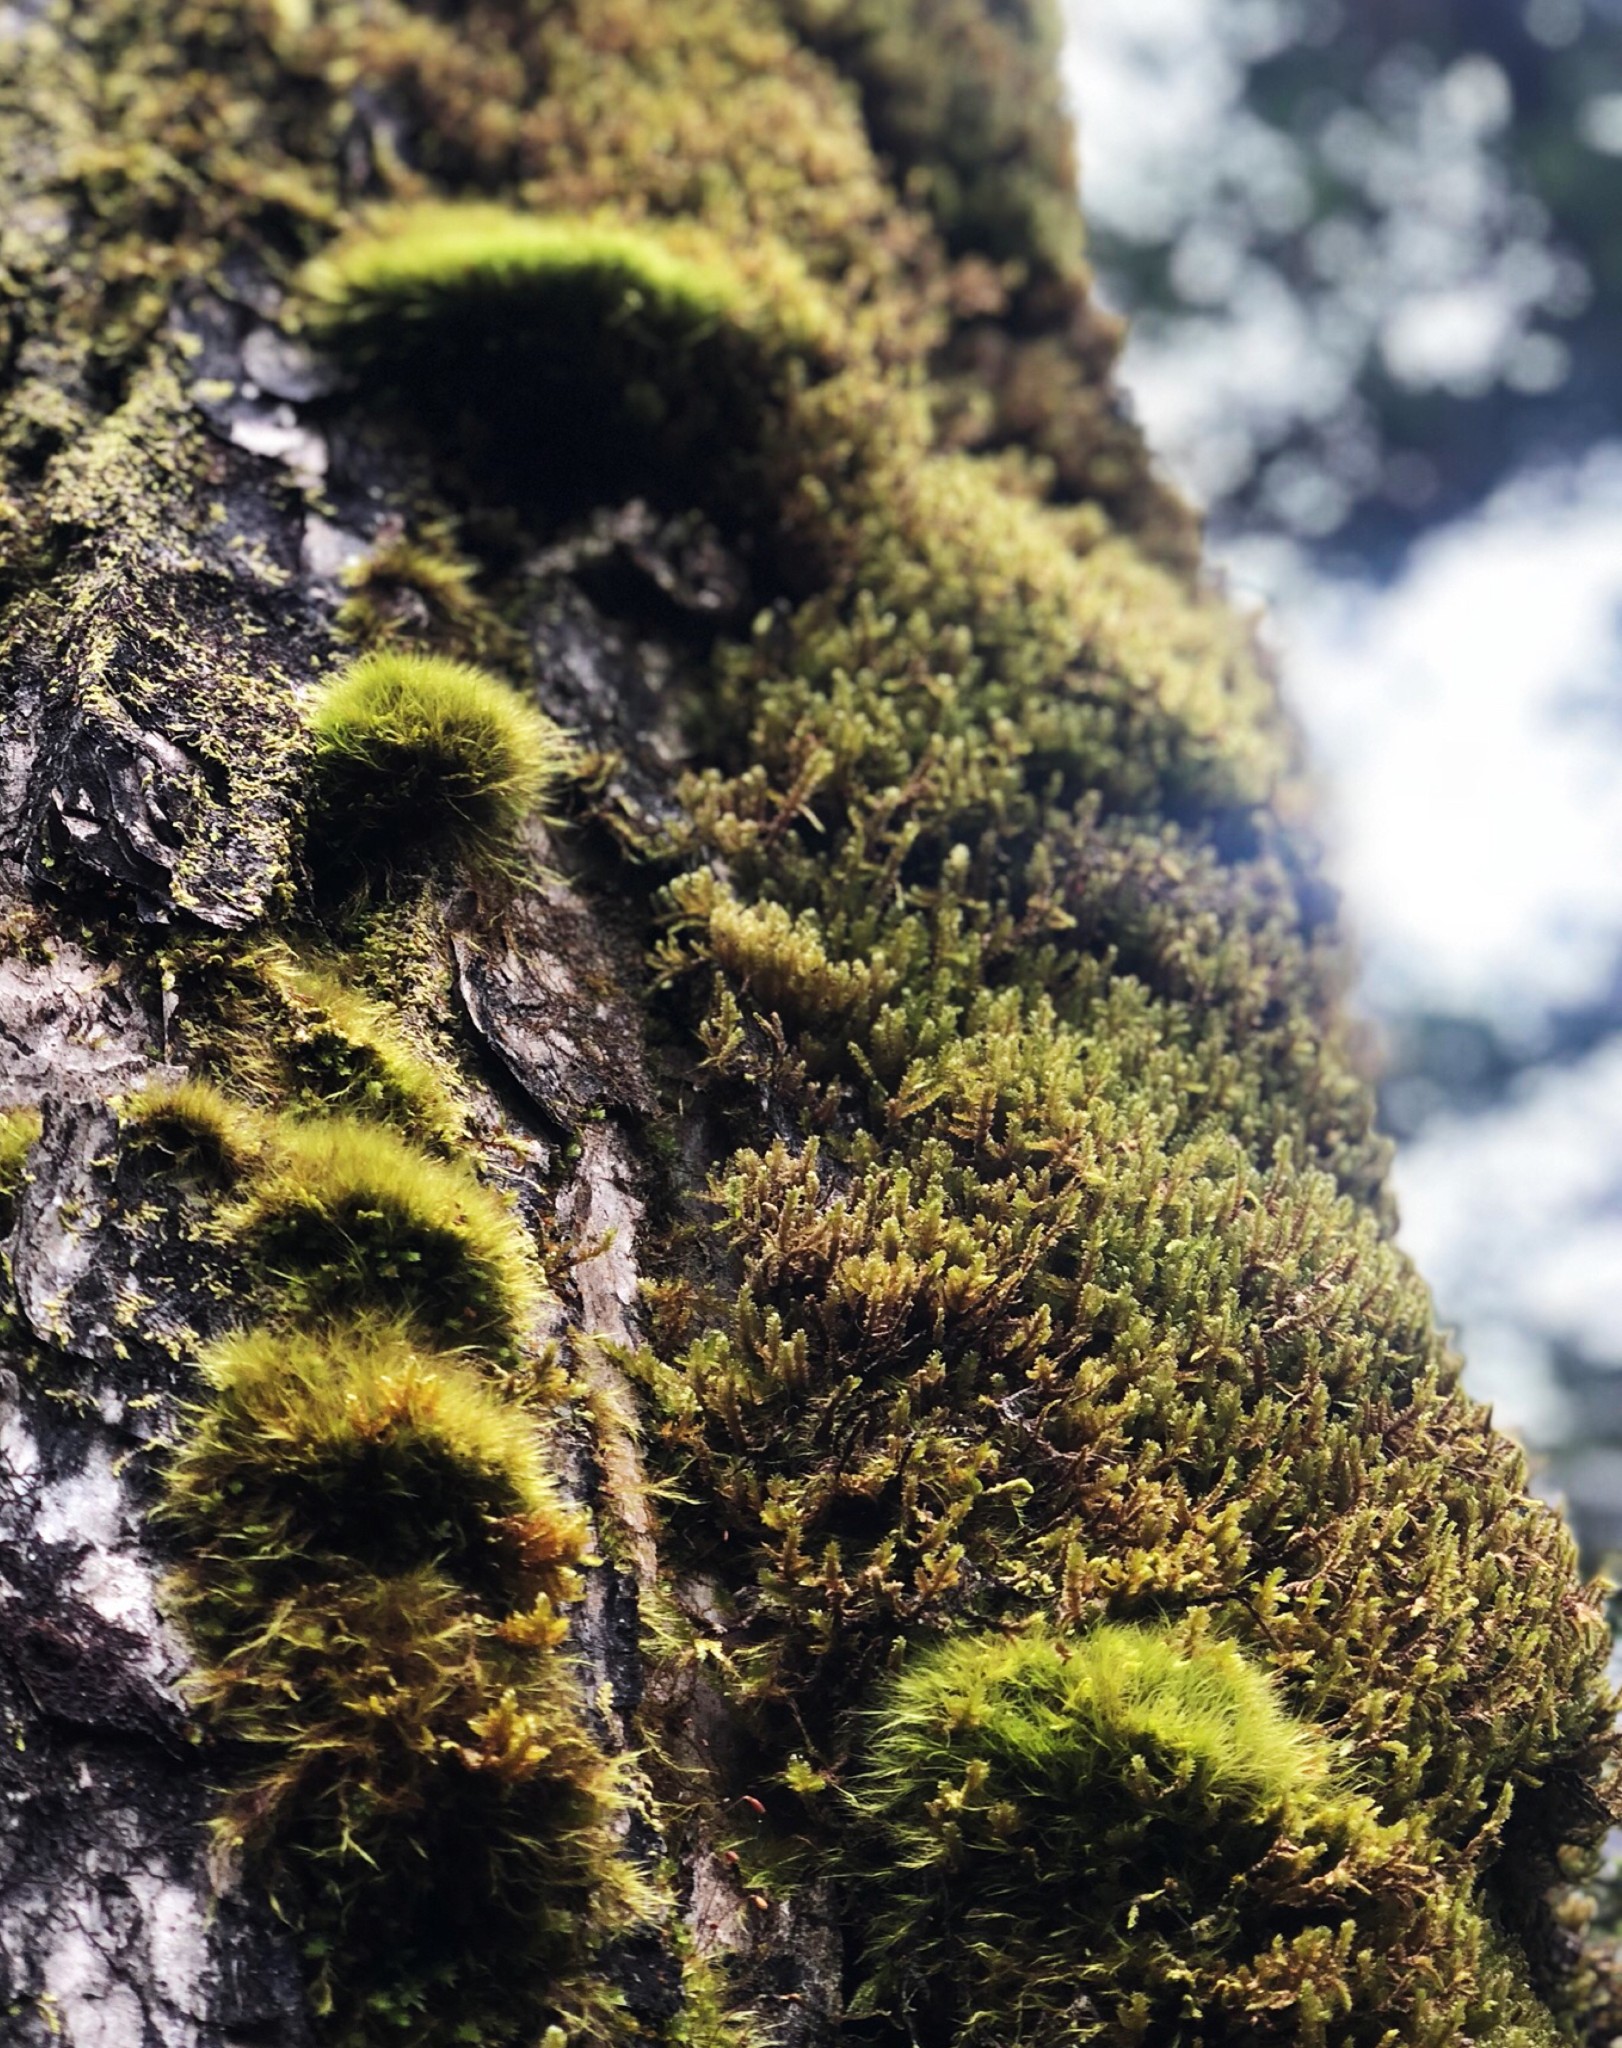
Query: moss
x=1121, y=1836
x=417, y=1780
x=1019, y=1349
x=413, y=752
x=966, y=99
x=347, y=1214
x=502, y=321
x=352, y=1447
x=709, y=2016
x=710, y=112
x=411, y=264
x=1052, y=1281
x=411, y=590
x=293, y=1030
x=345, y=1053
x=20, y=1126
x=200, y=1129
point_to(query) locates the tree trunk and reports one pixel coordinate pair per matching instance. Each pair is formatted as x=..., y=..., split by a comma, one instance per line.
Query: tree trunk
x=701, y=1340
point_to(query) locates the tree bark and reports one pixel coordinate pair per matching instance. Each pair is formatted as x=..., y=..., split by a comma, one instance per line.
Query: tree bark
x=946, y=1176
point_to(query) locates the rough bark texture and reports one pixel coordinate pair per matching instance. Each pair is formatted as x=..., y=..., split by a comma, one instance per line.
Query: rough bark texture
x=938, y=1216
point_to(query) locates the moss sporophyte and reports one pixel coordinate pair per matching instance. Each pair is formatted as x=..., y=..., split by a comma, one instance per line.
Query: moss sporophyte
x=1074, y=1549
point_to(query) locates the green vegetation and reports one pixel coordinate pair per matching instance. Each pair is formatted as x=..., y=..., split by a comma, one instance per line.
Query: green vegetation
x=20, y=1126
x=967, y=98
x=351, y=1445
x=1052, y=1319
x=683, y=348
x=415, y=752
x=292, y=1029
x=416, y=1778
x=200, y=1129
x=373, y=1564
x=415, y=264
x=349, y=1215
x=412, y=588
x=345, y=1054
x=374, y=1561
x=1120, y=1837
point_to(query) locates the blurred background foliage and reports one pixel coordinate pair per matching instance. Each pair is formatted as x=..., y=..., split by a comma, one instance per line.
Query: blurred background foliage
x=1414, y=207
x=1371, y=251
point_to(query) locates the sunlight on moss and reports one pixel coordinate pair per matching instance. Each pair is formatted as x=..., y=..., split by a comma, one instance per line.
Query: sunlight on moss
x=501, y=323
x=352, y=1444
x=1099, y=1838
x=347, y=1054
x=406, y=261
x=200, y=1129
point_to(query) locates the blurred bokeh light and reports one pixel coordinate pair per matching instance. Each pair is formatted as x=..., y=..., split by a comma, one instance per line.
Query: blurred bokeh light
x=1372, y=254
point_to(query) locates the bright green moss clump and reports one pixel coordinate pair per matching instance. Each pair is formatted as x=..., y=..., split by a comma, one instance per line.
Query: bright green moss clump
x=348, y=1215
x=1121, y=1837
x=413, y=752
x=19, y=1131
x=200, y=1130
x=413, y=264
x=1057, y=1722
x=352, y=1443
x=345, y=1054
x=364, y=1571
x=296, y=1031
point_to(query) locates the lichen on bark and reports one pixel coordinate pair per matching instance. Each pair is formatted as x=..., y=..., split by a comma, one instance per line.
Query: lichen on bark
x=794, y=1332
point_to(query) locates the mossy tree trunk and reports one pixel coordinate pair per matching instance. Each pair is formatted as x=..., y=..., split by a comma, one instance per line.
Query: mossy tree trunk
x=700, y=1339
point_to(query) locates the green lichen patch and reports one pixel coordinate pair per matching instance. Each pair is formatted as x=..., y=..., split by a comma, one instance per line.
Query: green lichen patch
x=591, y=340
x=415, y=754
x=178, y=649
x=348, y=1215
x=353, y=1447
x=1121, y=1837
